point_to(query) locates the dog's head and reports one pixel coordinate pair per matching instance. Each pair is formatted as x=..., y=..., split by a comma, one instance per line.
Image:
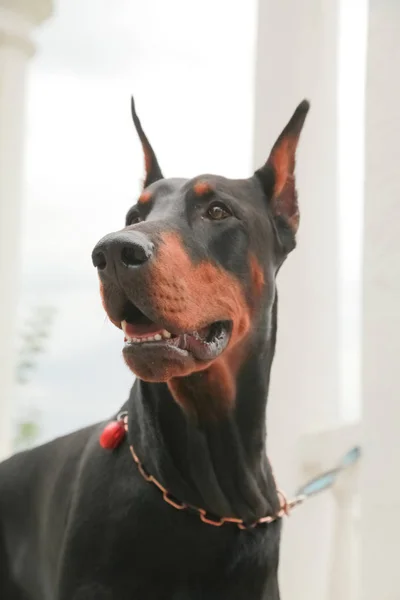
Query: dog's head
x=192, y=272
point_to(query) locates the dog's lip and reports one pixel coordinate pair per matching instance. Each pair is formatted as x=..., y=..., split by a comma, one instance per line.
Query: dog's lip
x=157, y=324
x=161, y=325
x=204, y=345
x=142, y=331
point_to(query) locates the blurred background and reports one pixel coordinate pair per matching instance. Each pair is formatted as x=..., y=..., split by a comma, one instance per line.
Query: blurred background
x=214, y=84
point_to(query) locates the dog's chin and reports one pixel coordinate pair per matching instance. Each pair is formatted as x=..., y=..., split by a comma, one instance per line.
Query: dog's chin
x=157, y=366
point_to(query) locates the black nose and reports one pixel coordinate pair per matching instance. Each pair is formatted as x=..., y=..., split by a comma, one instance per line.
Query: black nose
x=126, y=249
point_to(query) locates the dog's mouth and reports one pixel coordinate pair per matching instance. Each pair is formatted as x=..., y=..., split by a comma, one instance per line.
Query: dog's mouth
x=204, y=344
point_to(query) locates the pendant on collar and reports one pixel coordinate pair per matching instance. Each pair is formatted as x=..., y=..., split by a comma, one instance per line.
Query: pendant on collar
x=114, y=432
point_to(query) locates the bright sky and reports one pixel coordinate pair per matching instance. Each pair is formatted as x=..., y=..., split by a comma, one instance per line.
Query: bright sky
x=190, y=67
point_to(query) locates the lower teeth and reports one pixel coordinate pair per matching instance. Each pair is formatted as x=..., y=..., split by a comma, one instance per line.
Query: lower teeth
x=205, y=335
x=155, y=338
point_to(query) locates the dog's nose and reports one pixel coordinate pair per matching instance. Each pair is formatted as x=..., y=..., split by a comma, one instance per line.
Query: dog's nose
x=126, y=249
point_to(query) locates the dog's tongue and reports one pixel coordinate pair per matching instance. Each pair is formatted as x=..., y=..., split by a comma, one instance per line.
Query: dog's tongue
x=137, y=330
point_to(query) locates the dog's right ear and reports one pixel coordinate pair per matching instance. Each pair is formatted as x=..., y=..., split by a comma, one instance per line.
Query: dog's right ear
x=152, y=169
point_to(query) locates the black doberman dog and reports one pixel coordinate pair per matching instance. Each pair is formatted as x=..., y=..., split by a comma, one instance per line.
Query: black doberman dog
x=177, y=500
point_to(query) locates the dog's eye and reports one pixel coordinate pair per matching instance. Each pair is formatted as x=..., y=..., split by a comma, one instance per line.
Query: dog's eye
x=217, y=212
x=132, y=219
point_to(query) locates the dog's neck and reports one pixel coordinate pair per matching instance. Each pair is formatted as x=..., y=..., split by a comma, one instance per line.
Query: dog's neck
x=219, y=465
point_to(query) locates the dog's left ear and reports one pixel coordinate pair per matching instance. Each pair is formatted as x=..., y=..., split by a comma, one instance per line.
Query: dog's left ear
x=277, y=175
x=152, y=169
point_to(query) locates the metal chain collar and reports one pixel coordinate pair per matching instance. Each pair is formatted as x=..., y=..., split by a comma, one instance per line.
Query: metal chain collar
x=205, y=517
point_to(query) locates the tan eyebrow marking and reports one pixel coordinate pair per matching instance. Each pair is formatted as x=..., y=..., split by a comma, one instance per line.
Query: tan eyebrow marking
x=202, y=188
x=144, y=197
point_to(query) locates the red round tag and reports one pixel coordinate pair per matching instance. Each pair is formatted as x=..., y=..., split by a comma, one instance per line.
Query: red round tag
x=112, y=435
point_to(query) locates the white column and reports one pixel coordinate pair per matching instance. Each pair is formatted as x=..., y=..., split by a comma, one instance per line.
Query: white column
x=321, y=452
x=296, y=59
x=380, y=485
x=344, y=575
x=18, y=18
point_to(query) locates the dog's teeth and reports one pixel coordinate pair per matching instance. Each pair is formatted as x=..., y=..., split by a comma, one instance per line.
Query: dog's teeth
x=123, y=326
x=150, y=338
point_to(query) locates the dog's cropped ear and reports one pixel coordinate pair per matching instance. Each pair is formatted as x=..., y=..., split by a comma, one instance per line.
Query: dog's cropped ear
x=152, y=170
x=278, y=179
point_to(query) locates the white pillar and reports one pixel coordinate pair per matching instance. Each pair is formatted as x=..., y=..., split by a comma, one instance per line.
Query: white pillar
x=344, y=575
x=320, y=452
x=380, y=483
x=18, y=18
x=296, y=59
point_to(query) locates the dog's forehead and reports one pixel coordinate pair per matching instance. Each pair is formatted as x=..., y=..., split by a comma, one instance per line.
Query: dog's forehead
x=203, y=186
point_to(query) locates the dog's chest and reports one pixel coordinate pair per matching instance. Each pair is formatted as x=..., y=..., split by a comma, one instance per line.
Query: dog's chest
x=121, y=522
x=122, y=536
